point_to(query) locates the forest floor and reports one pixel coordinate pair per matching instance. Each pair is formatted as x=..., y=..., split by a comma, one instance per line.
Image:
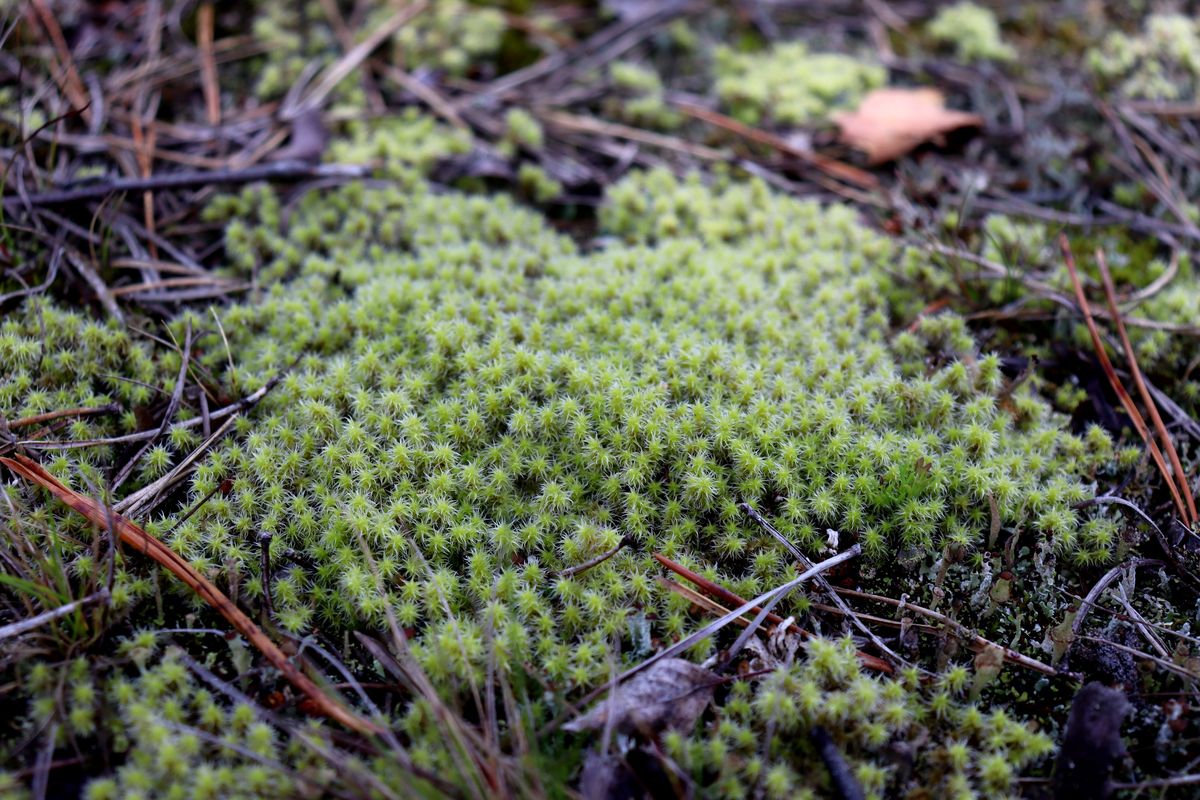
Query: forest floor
x=402, y=379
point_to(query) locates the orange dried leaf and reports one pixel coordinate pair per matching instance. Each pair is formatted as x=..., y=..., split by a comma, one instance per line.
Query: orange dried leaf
x=891, y=122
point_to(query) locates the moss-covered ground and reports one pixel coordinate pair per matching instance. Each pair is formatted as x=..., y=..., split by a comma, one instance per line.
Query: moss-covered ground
x=484, y=354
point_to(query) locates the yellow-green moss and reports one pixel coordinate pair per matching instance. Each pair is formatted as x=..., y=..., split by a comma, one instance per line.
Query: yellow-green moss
x=639, y=98
x=958, y=750
x=790, y=85
x=972, y=31
x=1162, y=62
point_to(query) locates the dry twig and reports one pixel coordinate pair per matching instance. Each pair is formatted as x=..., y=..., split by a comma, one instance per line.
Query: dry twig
x=135, y=537
x=977, y=642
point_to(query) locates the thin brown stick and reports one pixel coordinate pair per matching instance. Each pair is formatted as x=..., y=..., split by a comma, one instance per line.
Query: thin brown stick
x=1114, y=381
x=821, y=581
x=1159, y=783
x=185, y=353
x=697, y=599
x=208, y=64
x=829, y=166
x=1169, y=666
x=168, y=283
x=426, y=94
x=979, y=641
x=278, y=170
x=145, y=140
x=97, y=284
x=610, y=41
x=132, y=505
x=49, y=416
x=248, y=401
x=714, y=589
x=345, y=38
x=1110, y=294
x=594, y=562
x=135, y=537
x=71, y=83
x=581, y=124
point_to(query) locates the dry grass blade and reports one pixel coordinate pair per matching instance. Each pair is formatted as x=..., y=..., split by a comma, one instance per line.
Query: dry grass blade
x=132, y=535
x=1110, y=294
x=223, y=284
x=146, y=496
x=746, y=607
x=821, y=581
x=1106, y=580
x=701, y=601
x=338, y=71
x=17, y=628
x=49, y=416
x=721, y=593
x=1114, y=381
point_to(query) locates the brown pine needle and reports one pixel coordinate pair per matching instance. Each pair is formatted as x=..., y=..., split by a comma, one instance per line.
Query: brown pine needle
x=49, y=416
x=134, y=536
x=830, y=166
x=1110, y=373
x=70, y=81
x=208, y=64
x=1110, y=295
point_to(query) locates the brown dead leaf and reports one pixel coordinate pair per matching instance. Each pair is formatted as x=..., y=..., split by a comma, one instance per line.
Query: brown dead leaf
x=891, y=122
x=671, y=694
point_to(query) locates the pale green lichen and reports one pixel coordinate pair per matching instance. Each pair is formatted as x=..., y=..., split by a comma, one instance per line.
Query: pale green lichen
x=972, y=31
x=406, y=143
x=958, y=750
x=534, y=183
x=790, y=85
x=452, y=35
x=640, y=97
x=1162, y=62
x=521, y=129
